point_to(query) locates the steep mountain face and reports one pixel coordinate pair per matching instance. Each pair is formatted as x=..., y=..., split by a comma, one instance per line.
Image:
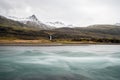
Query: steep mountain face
x=5, y=22
x=11, y=29
x=33, y=18
x=33, y=22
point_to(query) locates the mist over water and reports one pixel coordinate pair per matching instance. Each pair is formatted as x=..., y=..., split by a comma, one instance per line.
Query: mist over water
x=87, y=62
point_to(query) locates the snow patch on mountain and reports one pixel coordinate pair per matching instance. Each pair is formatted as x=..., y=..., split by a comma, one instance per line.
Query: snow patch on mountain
x=58, y=24
x=117, y=24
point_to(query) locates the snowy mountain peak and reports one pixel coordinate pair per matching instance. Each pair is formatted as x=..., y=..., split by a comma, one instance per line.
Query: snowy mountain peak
x=56, y=24
x=31, y=21
x=61, y=23
x=70, y=25
x=33, y=18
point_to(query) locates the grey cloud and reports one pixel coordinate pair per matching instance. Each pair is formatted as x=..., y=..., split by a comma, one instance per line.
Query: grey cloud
x=4, y=7
x=79, y=12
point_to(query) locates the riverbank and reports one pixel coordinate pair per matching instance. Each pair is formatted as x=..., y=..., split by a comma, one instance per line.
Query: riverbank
x=48, y=43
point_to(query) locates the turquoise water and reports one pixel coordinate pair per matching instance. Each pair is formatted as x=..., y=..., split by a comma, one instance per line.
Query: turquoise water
x=88, y=62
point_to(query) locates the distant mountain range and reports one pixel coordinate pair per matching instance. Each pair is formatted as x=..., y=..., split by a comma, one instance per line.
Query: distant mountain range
x=32, y=28
x=32, y=21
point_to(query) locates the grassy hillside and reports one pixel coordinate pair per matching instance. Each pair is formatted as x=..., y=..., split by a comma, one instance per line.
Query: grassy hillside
x=10, y=29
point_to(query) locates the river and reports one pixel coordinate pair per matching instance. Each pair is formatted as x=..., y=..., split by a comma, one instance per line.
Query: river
x=85, y=62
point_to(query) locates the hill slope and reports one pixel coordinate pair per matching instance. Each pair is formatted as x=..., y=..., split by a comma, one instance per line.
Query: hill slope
x=99, y=33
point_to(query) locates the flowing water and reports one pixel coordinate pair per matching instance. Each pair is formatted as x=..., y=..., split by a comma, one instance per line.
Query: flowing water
x=87, y=62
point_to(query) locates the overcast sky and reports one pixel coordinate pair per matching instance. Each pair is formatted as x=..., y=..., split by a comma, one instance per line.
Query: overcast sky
x=77, y=12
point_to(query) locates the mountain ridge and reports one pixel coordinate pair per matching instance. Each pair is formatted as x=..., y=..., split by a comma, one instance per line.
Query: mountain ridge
x=15, y=29
x=32, y=21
